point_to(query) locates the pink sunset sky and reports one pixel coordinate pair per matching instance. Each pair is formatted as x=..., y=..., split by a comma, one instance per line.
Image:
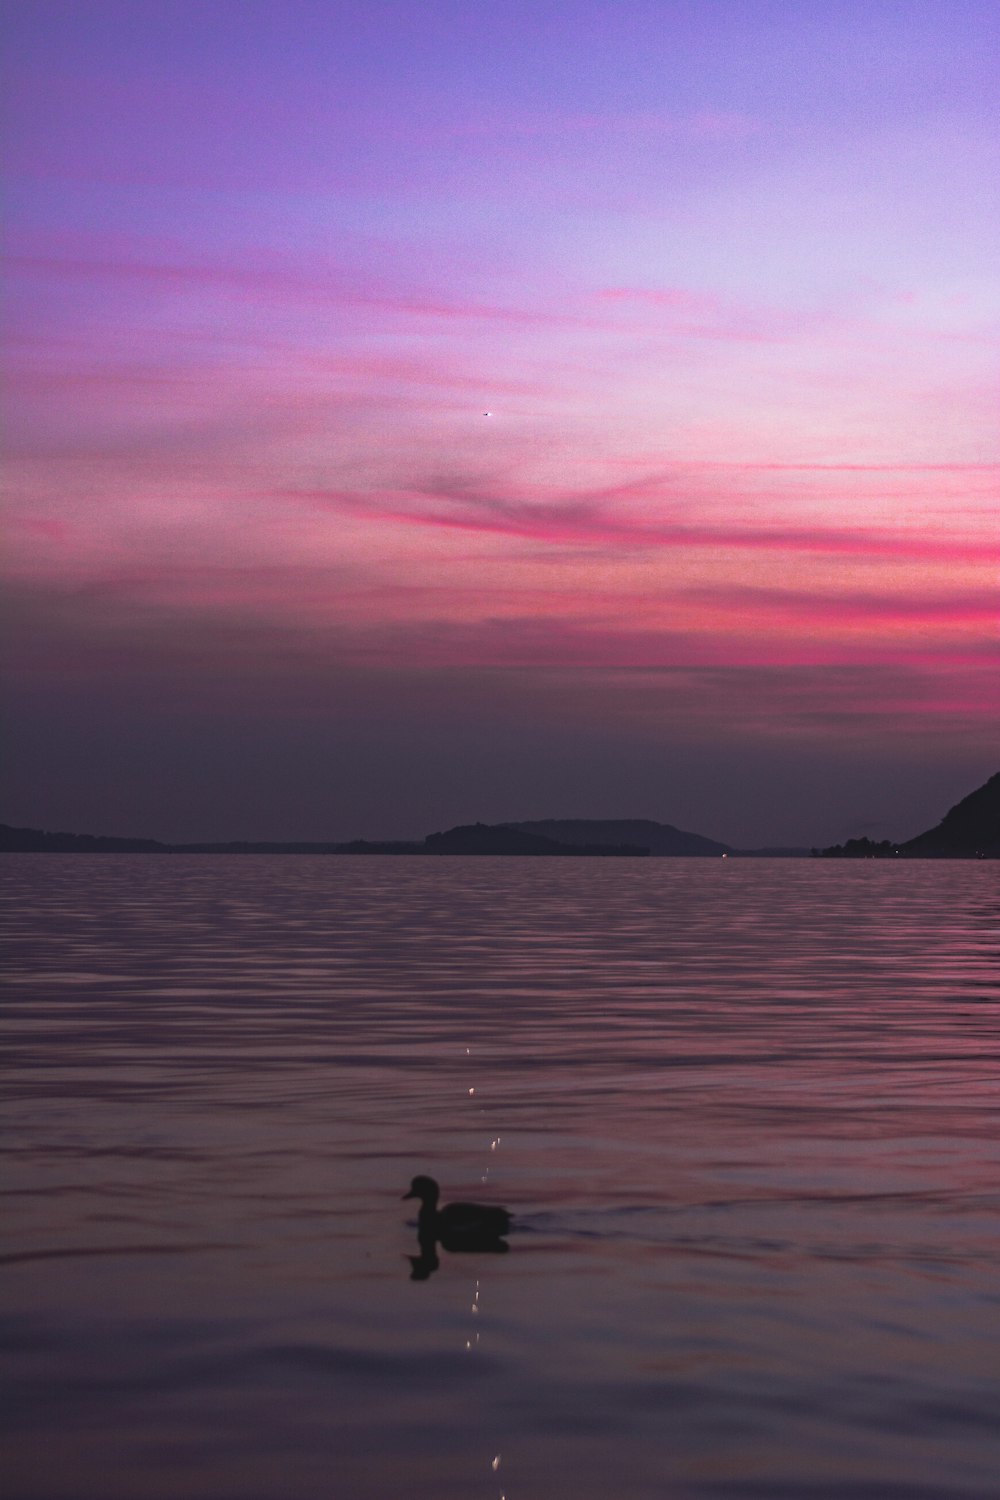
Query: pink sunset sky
x=424, y=412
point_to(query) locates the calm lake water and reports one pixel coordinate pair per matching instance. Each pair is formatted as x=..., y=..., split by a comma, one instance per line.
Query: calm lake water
x=747, y=1115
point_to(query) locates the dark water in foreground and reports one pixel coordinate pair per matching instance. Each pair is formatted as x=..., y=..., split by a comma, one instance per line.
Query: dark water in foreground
x=747, y=1114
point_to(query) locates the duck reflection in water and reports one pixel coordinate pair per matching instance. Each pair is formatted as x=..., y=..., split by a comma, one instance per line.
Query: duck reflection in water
x=459, y=1228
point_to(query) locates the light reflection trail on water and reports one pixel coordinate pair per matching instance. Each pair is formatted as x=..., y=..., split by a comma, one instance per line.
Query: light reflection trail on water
x=750, y=1136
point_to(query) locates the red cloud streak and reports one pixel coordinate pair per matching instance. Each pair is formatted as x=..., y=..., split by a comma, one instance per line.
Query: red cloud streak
x=579, y=523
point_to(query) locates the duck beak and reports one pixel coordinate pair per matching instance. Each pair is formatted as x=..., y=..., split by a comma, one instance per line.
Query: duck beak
x=410, y=1194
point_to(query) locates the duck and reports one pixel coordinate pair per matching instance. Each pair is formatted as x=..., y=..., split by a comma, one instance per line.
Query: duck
x=457, y=1224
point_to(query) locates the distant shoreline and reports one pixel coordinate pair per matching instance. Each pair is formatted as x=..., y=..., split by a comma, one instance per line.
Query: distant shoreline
x=584, y=841
x=38, y=841
x=970, y=830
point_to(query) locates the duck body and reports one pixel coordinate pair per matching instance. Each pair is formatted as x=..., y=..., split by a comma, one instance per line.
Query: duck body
x=458, y=1225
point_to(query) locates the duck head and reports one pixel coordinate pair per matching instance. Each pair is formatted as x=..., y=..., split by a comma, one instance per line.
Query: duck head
x=426, y=1189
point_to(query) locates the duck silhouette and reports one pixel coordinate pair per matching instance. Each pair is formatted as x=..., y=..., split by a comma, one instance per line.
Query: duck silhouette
x=457, y=1226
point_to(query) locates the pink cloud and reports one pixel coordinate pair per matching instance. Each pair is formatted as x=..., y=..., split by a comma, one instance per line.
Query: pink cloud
x=536, y=643
x=326, y=286
x=849, y=468
x=718, y=318
x=854, y=608
x=50, y=528
x=582, y=521
x=680, y=298
x=577, y=670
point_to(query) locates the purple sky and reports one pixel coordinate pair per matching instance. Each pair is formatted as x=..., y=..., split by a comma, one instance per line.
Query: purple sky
x=724, y=552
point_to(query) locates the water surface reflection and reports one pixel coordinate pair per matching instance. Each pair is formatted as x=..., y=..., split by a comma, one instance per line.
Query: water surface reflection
x=746, y=1114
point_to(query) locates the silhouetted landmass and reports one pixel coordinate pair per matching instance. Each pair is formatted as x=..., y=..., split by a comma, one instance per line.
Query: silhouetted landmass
x=780, y=851
x=970, y=830
x=658, y=838
x=506, y=838
x=476, y=838
x=40, y=841
x=860, y=849
x=355, y=846
x=385, y=846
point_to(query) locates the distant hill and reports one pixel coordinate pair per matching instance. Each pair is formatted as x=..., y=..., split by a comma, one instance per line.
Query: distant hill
x=970, y=830
x=242, y=846
x=658, y=838
x=777, y=851
x=40, y=841
x=506, y=838
x=472, y=838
